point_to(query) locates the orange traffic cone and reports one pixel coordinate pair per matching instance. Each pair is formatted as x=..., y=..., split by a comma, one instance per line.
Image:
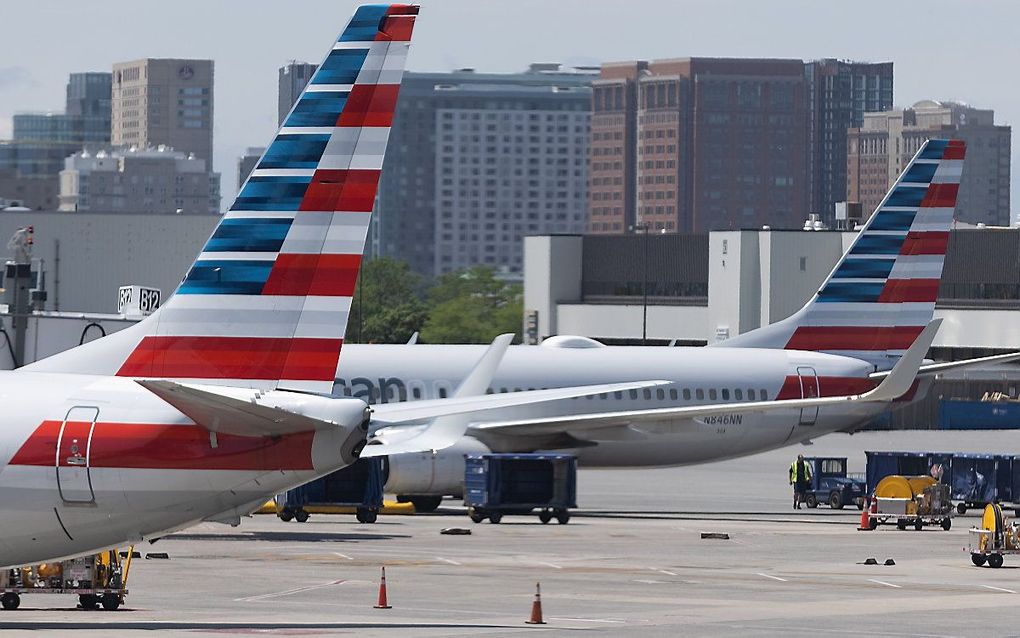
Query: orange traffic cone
x=865, y=525
x=383, y=603
x=536, y=607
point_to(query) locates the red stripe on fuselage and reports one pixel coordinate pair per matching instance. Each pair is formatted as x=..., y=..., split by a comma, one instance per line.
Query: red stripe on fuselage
x=302, y=359
x=827, y=386
x=819, y=338
x=155, y=446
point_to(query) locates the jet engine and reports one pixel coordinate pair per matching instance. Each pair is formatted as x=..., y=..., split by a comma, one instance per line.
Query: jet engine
x=425, y=477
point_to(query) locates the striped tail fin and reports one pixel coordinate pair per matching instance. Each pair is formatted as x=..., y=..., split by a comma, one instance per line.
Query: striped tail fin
x=266, y=303
x=882, y=293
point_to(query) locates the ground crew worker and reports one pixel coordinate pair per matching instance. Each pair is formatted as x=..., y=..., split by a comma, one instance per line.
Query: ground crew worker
x=800, y=479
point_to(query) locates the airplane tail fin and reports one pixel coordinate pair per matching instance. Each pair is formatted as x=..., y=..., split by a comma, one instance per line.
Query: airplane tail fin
x=266, y=302
x=882, y=293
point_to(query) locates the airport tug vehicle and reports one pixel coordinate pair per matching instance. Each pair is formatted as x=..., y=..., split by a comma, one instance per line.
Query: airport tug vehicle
x=995, y=538
x=831, y=485
x=97, y=579
x=912, y=500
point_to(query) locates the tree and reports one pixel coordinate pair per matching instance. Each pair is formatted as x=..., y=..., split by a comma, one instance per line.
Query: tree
x=387, y=305
x=472, y=306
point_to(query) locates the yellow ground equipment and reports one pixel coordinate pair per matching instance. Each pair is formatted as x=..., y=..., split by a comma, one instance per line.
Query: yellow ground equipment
x=98, y=579
x=996, y=537
x=912, y=500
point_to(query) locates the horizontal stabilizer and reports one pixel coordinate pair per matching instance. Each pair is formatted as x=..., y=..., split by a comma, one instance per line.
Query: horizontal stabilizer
x=248, y=412
x=930, y=369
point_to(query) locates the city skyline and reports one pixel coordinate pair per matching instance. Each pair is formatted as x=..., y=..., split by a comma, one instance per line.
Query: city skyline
x=927, y=66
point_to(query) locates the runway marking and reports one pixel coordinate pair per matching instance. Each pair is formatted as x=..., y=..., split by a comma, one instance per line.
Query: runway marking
x=549, y=565
x=782, y=580
x=882, y=582
x=447, y=560
x=605, y=620
x=344, y=556
x=287, y=592
x=1008, y=591
x=645, y=581
x=663, y=571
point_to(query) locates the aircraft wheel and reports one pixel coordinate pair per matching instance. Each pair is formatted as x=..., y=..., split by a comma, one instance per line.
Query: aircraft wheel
x=995, y=561
x=301, y=516
x=111, y=602
x=977, y=559
x=836, y=501
x=10, y=600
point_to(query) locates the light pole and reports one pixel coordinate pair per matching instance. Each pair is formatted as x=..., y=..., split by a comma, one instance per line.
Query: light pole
x=644, y=226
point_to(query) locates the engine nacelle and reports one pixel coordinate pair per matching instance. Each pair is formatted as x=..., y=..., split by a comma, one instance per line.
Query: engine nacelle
x=427, y=473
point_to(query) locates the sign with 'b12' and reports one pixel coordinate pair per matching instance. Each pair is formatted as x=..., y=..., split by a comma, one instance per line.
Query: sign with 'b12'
x=137, y=301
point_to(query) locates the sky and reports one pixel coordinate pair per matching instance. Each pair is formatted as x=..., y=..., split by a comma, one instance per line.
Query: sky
x=941, y=49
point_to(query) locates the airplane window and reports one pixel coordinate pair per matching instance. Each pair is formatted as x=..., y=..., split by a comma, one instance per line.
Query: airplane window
x=442, y=393
x=647, y=393
x=700, y=394
x=750, y=394
x=712, y=394
x=764, y=395
x=672, y=394
x=416, y=393
x=725, y=394
x=502, y=390
x=618, y=395
x=633, y=394
x=488, y=390
x=517, y=389
x=603, y=395
x=687, y=394
x=660, y=394
x=738, y=394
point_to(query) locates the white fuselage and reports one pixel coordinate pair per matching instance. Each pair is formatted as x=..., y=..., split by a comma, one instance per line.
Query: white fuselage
x=90, y=462
x=387, y=373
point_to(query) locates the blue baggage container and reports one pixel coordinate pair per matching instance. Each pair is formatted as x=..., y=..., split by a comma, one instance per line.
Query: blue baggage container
x=498, y=484
x=979, y=479
x=979, y=415
x=883, y=464
x=358, y=485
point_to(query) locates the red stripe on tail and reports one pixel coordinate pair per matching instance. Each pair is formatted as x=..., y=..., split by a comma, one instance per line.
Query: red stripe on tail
x=298, y=359
x=818, y=338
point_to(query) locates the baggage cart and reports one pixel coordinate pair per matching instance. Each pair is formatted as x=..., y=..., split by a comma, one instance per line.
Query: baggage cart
x=499, y=484
x=883, y=464
x=980, y=479
x=97, y=580
x=997, y=537
x=912, y=501
x=359, y=486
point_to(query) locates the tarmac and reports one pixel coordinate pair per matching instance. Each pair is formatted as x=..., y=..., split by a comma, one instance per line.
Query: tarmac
x=632, y=561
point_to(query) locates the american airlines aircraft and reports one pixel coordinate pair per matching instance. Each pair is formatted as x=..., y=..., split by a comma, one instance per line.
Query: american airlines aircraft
x=874, y=304
x=221, y=398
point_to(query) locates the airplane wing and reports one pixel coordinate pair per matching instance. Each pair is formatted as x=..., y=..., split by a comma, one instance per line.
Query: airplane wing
x=895, y=384
x=929, y=369
x=274, y=413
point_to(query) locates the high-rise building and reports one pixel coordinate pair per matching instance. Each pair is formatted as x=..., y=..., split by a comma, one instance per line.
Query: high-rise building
x=88, y=99
x=152, y=180
x=885, y=143
x=292, y=78
x=476, y=161
x=839, y=93
x=164, y=102
x=713, y=144
x=247, y=162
